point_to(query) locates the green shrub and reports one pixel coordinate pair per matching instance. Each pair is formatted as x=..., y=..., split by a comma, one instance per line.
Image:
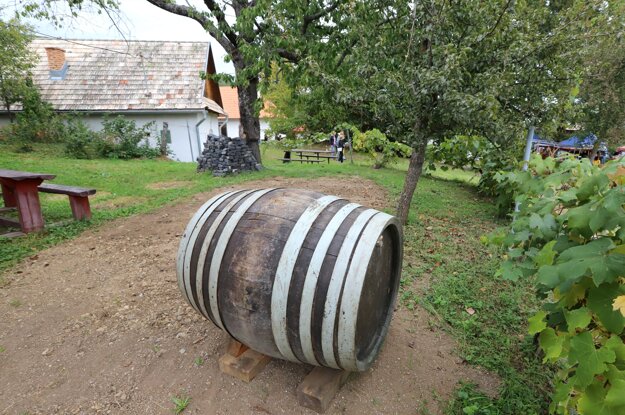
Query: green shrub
x=480, y=155
x=37, y=122
x=569, y=237
x=378, y=147
x=122, y=139
x=79, y=139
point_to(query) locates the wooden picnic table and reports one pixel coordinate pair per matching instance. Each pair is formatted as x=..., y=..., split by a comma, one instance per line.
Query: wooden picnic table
x=315, y=154
x=19, y=191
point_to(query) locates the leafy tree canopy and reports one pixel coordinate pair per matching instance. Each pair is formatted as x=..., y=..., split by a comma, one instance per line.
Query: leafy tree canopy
x=16, y=62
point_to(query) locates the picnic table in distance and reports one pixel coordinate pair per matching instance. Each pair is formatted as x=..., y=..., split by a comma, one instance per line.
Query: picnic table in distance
x=314, y=154
x=20, y=191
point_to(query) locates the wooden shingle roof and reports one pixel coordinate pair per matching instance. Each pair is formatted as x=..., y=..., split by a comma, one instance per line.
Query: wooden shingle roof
x=114, y=75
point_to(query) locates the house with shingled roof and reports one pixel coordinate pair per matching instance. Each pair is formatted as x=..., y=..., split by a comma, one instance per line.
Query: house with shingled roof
x=230, y=122
x=154, y=82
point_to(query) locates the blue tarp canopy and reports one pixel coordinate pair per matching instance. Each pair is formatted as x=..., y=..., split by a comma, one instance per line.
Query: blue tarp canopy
x=578, y=142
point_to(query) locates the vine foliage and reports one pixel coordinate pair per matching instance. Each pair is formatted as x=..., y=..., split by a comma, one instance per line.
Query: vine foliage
x=569, y=236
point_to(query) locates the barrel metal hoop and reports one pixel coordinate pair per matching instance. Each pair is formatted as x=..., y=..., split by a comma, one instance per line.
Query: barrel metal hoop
x=284, y=273
x=350, y=300
x=204, y=250
x=220, y=249
x=336, y=284
x=187, y=242
x=312, y=276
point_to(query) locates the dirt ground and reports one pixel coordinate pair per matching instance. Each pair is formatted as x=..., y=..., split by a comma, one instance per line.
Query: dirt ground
x=97, y=326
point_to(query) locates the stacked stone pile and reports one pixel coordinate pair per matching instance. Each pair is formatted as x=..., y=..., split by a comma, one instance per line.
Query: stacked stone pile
x=224, y=155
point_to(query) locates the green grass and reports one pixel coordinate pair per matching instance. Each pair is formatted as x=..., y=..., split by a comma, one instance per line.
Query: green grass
x=124, y=188
x=180, y=403
x=442, y=252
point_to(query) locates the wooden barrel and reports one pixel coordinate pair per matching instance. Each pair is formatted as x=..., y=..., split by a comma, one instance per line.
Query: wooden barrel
x=294, y=274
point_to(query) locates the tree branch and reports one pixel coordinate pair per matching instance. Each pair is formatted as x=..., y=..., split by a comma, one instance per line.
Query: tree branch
x=315, y=16
x=201, y=18
x=219, y=14
x=288, y=55
x=503, y=12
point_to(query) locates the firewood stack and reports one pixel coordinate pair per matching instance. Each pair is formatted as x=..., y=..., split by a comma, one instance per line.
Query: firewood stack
x=224, y=155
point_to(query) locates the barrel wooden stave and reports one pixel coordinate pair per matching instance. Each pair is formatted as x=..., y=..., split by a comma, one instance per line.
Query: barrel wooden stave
x=248, y=268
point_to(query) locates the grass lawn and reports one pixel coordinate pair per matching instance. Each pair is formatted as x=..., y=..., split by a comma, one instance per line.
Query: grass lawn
x=446, y=269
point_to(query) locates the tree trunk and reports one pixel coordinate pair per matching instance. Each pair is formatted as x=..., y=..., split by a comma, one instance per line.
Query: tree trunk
x=7, y=107
x=249, y=121
x=410, y=183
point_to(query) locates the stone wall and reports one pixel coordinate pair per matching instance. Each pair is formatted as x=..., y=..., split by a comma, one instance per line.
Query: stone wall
x=224, y=155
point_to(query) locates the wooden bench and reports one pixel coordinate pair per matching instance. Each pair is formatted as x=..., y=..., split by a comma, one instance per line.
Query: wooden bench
x=78, y=198
x=301, y=160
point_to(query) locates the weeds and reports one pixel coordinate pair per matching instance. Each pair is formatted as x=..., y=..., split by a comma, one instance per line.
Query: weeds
x=180, y=403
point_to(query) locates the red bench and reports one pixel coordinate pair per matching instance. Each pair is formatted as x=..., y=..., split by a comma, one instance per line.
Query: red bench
x=78, y=198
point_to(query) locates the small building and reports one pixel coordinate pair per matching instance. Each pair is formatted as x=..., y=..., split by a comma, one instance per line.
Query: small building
x=230, y=122
x=146, y=81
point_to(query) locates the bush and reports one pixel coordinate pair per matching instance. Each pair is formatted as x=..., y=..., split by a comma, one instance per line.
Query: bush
x=480, y=155
x=378, y=147
x=79, y=139
x=37, y=122
x=569, y=237
x=122, y=139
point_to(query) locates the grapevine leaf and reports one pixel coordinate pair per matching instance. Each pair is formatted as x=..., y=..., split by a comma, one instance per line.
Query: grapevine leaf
x=548, y=276
x=568, y=195
x=592, y=401
x=591, y=185
x=521, y=236
x=546, y=255
x=590, y=360
x=616, y=394
x=577, y=319
x=592, y=256
x=615, y=344
x=509, y=271
x=579, y=219
x=561, y=396
x=576, y=293
x=600, y=301
x=535, y=221
x=614, y=201
x=537, y=323
x=544, y=224
x=551, y=343
x=599, y=219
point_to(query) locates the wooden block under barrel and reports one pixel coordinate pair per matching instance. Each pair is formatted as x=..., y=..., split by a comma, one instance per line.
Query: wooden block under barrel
x=246, y=366
x=236, y=348
x=319, y=388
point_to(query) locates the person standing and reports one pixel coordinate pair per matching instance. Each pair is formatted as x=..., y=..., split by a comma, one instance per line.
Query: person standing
x=333, y=140
x=340, y=146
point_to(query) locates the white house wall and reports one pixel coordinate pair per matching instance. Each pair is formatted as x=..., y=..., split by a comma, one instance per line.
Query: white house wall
x=182, y=147
x=233, y=127
x=264, y=125
x=184, y=140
